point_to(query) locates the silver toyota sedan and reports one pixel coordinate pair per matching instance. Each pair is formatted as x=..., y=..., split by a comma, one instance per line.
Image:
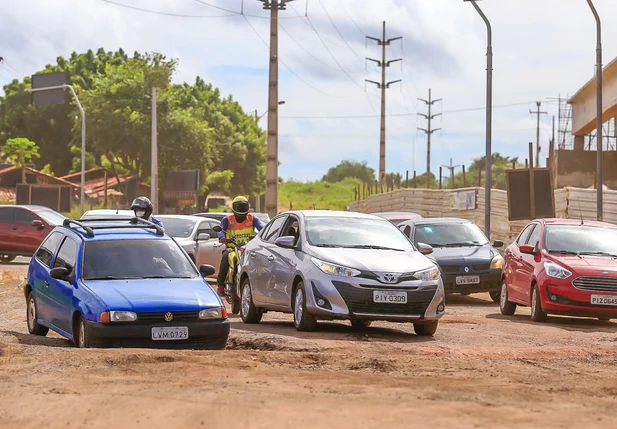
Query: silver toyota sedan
x=327, y=265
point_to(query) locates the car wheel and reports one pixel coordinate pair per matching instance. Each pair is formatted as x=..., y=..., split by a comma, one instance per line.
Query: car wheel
x=507, y=308
x=303, y=320
x=82, y=339
x=32, y=315
x=537, y=314
x=495, y=295
x=360, y=324
x=249, y=313
x=426, y=329
x=7, y=258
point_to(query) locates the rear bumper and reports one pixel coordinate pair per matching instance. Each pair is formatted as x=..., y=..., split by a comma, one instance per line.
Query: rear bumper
x=210, y=334
x=489, y=281
x=565, y=300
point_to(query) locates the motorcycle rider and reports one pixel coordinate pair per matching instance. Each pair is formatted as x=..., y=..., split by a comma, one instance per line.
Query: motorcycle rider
x=142, y=206
x=240, y=226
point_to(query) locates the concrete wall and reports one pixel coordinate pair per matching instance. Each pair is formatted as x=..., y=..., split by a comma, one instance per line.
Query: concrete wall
x=577, y=168
x=569, y=202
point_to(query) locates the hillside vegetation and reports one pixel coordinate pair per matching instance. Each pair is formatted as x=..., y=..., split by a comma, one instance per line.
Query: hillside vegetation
x=317, y=195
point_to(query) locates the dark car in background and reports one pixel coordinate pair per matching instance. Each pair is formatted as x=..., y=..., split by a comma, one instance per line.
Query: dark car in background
x=23, y=228
x=398, y=217
x=468, y=262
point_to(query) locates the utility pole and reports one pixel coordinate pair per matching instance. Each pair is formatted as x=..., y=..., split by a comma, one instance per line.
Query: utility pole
x=428, y=132
x=538, y=148
x=451, y=168
x=154, y=173
x=272, y=175
x=384, y=43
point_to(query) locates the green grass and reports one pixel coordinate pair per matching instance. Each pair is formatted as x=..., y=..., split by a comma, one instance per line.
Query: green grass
x=317, y=195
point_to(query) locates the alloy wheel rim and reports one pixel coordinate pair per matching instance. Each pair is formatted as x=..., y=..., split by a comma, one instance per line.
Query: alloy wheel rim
x=31, y=313
x=534, y=301
x=246, y=299
x=504, y=295
x=82, y=335
x=298, y=306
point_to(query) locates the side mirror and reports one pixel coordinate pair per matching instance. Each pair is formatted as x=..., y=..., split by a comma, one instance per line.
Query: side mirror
x=204, y=236
x=207, y=270
x=425, y=249
x=217, y=228
x=59, y=273
x=527, y=249
x=37, y=223
x=497, y=244
x=287, y=242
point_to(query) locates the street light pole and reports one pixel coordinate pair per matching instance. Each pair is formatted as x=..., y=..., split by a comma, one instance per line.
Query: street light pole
x=488, y=158
x=83, y=137
x=599, y=107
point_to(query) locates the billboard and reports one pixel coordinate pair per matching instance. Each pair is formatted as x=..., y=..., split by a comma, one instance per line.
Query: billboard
x=46, y=80
x=519, y=193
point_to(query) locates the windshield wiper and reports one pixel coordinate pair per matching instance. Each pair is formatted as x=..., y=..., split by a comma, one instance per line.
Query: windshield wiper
x=326, y=245
x=466, y=243
x=111, y=278
x=370, y=246
x=563, y=252
x=612, y=255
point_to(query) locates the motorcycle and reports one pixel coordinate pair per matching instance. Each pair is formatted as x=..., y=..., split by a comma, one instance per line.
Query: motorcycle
x=232, y=295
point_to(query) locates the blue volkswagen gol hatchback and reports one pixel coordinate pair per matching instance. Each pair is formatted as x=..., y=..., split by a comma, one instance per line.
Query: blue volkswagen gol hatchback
x=121, y=283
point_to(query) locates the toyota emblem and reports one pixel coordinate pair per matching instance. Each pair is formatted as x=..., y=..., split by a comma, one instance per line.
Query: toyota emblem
x=390, y=278
x=466, y=269
x=169, y=317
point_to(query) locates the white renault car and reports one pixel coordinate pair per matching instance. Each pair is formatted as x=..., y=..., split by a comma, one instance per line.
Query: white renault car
x=326, y=265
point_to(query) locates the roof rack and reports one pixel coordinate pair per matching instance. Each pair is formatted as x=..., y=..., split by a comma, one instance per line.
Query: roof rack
x=133, y=223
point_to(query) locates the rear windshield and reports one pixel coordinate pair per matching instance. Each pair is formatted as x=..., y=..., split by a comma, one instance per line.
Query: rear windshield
x=130, y=259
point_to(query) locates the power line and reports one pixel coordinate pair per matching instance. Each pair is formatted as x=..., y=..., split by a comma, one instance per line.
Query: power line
x=241, y=12
x=353, y=20
x=175, y=15
x=338, y=31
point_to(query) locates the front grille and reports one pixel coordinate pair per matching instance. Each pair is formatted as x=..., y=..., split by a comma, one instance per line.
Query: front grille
x=360, y=300
x=159, y=317
x=405, y=277
x=481, y=267
x=600, y=284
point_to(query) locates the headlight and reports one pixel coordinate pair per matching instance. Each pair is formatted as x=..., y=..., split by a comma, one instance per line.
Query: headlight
x=211, y=313
x=556, y=271
x=497, y=263
x=122, y=316
x=428, y=275
x=333, y=269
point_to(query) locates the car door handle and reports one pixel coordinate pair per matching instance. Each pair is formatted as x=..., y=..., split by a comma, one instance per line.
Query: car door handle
x=270, y=258
x=46, y=283
x=253, y=254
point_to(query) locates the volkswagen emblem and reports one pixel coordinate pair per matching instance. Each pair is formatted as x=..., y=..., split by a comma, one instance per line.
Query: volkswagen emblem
x=390, y=278
x=169, y=317
x=466, y=269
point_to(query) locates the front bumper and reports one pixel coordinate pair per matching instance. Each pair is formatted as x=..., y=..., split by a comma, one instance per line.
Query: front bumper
x=559, y=297
x=490, y=280
x=206, y=334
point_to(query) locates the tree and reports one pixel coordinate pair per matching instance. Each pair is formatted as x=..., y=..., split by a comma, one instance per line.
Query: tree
x=21, y=150
x=350, y=169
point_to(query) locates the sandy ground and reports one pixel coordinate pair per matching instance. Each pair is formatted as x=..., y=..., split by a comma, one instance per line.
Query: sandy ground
x=480, y=370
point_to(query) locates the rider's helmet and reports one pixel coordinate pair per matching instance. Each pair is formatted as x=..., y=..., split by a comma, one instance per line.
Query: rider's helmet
x=240, y=206
x=142, y=207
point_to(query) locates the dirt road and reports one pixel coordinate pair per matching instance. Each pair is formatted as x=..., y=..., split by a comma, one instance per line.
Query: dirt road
x=480, y=370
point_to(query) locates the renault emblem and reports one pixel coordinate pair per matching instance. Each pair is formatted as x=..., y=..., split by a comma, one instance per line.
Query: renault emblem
x=390, y=278
x=466, y=269
x=169, y=317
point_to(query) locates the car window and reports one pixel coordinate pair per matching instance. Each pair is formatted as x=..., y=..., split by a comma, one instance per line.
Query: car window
x=407, y=231
x=522, y=238
x=534, y=237
x=24, y=217
x=48, y=248
x=275, y=229
x=67, y=255
x=205, y=227
x=178, y=227
x=449, y=234
x=582, y=240
x=292, y=228
x=6, y=215
x=136, y=259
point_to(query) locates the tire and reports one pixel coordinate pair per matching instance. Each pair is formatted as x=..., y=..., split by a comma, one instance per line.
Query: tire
x=604, y=319
x=465, y=294
x=248, y=312
x=495, y=295
x=303, y=320
x=507, y=308
x=81, y=337
x=360, y=323
x=5, y=259
x=426, y=329
x=31, y=317
x=537, y=313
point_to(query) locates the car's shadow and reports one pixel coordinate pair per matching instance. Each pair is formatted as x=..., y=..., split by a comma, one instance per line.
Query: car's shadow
x=333, y=331
x=573, y=324
x=476, y=301
x=36, y=340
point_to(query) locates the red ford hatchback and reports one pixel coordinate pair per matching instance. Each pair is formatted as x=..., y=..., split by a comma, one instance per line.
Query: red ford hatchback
x=563, y=267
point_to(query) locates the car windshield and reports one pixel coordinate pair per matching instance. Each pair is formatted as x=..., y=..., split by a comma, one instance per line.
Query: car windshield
x=449, y=235
x=360, y=233
x=580, y=239
x=135, y=259
x=178, y=227
x=51, y=217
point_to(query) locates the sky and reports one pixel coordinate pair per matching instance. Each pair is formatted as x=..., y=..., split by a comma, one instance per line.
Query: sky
x=542, y=49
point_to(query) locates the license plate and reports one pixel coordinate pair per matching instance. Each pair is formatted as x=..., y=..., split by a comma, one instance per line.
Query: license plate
x=604, y=299
x=390, y=297
x=171, y=333
x=467, y=280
